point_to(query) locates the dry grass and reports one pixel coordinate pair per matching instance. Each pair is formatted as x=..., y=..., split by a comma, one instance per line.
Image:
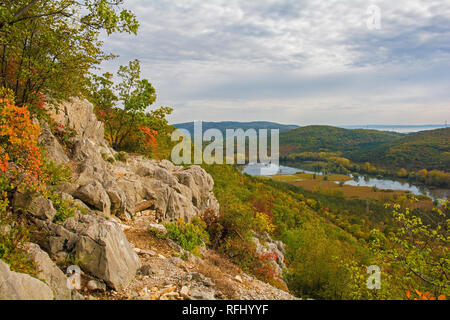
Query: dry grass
x=222, y=271
x=310, y=176
x=143, y=239
x=356, y=192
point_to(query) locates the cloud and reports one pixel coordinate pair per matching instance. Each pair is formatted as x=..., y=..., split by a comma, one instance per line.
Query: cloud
x=293, y=61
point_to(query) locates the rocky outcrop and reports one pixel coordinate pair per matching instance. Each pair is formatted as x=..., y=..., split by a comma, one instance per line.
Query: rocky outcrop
x=118, y=188
x=99, y=247
x=98, y=190
x=95, y=195
x=19, y=286
x=49, y=272
x=53, y=149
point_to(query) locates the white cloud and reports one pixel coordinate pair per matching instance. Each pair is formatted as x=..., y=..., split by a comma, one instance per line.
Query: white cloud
x=293, y=61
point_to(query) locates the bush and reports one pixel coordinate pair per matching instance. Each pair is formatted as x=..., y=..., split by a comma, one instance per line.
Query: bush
x=121, y=156
x=64, y=135
x=190, y=235
x=65, y=209
x=13, y=234
x=55, y=174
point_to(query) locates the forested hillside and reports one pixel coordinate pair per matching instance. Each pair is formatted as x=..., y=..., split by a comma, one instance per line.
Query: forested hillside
x=427, y=149
x=389, y=151
x=332, y=139
x=329, y=241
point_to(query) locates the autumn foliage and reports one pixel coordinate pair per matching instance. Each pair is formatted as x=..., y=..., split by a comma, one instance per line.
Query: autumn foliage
x=418, y=295
x=20, y=157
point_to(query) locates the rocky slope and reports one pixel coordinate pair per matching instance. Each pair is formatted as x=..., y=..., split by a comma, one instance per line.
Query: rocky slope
x=108, y=237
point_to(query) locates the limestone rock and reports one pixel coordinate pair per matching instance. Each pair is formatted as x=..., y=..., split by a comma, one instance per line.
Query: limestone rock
x=55, y=151
x=19, y=286
x=49, y=272
x=42, y=208
x=105, y=252
x=159, y=228
x=266, y=245
x=95, y=195
x=99, y=245
x=95, y=285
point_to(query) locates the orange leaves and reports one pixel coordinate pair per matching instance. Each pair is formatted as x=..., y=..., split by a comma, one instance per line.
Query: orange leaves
x=424, y=296
x=16, y=124
x=18, y=137
x=150, y=136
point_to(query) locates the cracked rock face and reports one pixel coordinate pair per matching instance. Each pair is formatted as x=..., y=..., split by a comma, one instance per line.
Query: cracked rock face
x=49, y=272
x=19, y=286
x=98, y=190
x=117, y=188
x=98, y=246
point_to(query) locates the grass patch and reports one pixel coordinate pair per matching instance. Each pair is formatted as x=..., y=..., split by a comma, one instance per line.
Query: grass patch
x=311, y=176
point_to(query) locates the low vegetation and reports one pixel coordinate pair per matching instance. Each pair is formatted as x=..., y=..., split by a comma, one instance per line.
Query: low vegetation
x=328, y=163
x=190, y=236
x=329, y=239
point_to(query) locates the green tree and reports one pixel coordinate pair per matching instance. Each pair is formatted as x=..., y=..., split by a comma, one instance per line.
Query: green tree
x=418, y=251
x=122, y=107
x=47, y=48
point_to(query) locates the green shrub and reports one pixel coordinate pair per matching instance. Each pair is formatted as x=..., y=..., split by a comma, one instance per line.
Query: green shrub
x=121, y=156
x=55, y=174
x=65, y=209
x=188, y=235
x=157, y=233
x=13, y=234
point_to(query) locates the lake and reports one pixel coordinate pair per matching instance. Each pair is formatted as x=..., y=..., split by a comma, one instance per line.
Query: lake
x=387, y=184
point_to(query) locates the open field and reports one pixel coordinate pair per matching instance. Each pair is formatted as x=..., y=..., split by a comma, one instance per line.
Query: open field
x=314, y=177
x=333, y=188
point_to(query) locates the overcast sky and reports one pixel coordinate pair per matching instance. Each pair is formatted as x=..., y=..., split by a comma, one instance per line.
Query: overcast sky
x=293, y=61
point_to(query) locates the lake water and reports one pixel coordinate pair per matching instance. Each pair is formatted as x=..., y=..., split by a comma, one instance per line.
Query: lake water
x=444, y=194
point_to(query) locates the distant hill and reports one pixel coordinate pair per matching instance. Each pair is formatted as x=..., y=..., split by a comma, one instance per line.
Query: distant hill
x=426, y=149
x=333, y=139
x=422, y=150
x=223, y=126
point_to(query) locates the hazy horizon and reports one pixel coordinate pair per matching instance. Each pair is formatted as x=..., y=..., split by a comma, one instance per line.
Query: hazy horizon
x=401, y=128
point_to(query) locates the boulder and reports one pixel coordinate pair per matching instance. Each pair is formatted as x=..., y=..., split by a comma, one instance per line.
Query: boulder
x=99, y=245
x=19, y=286
x=159, y=228
x=42, y=208
x=95, y=285
x=94, y=195
x=105, y=252
x=118, y=200
x=49, y=272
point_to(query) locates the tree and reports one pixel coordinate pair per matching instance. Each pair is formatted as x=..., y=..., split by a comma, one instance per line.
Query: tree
x=122, y=107
x=48, y=47
x=418, y=251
